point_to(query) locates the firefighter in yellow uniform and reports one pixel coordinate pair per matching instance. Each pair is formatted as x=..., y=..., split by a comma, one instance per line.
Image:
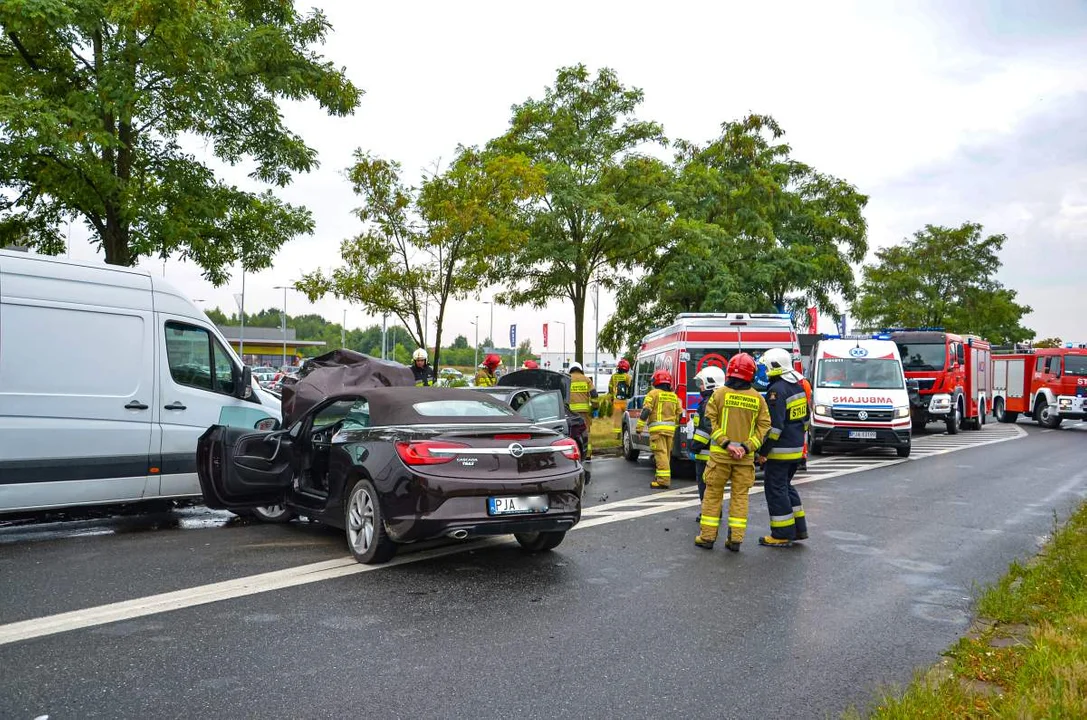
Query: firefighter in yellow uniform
x=660, y=412
x=740, y=420
x=619, y=391
x=486, y=377
x=582, y=394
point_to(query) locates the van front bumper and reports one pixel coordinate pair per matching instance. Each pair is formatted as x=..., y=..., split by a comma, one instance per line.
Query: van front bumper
x=884, y=437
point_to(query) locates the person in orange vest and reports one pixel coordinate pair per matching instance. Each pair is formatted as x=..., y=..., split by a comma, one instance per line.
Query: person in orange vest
x=660, y=412
x=582, y=394
x=486, y=377
x=619, y=388
x=740, y=420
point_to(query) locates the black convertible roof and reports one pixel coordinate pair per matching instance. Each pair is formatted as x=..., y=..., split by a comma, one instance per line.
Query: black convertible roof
x=396, y=406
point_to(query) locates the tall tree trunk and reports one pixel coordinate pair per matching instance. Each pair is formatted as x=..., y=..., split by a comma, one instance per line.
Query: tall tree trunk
x=579, y=322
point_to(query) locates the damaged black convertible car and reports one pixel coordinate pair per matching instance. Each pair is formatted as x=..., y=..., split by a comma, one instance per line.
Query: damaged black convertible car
x=363, y=450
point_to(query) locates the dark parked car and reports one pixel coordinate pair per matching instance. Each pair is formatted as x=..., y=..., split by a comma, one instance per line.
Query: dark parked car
x=393, y=465
x=546, y=408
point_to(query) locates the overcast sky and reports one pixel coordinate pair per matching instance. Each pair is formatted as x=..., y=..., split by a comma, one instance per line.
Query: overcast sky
x=942, y=112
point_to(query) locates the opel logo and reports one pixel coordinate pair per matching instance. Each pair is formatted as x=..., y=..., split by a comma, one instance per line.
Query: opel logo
x=863, y=415
x=516, y=450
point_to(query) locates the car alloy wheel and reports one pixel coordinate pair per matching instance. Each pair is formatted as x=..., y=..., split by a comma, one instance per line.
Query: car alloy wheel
x=364, y=524
x=273, y=513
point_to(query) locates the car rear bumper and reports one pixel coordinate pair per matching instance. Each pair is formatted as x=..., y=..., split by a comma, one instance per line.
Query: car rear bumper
x=468, y=513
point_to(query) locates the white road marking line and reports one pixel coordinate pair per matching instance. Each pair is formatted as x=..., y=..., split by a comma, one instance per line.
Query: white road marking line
x=627, y=509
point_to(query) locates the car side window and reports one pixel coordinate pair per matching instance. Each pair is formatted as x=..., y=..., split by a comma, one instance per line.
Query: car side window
x=358, y=417
x=544, y=406
x=188, y=352
x=518, y=400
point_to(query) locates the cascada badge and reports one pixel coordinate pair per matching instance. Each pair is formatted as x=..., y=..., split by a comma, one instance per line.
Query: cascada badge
x=858, y=352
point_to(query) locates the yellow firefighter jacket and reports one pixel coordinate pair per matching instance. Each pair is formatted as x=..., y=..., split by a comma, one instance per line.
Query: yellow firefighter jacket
x=737, y=416
x=660, y=411
x=581, y=393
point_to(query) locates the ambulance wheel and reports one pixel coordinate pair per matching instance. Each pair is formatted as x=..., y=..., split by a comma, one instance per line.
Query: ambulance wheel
x=1003, y=415
x=629, y=451
x=903, y=452
x=816, y=448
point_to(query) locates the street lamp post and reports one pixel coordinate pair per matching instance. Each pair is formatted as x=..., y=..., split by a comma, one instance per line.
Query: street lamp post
x=343, y=330
x=491, y=303
x=562, y=363
x=284, y=288
x=475, y=362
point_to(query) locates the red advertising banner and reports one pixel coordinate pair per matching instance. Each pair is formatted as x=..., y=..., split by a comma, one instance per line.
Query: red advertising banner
x=813, y=320
x=545, y=335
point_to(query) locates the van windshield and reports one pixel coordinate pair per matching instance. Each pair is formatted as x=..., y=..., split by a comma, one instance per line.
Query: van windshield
x=923, y=356
x=878, y=374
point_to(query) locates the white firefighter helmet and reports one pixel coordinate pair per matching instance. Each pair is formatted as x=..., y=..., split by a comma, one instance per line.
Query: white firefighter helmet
x=779, y=362
x=419, y=354
x=711, y=377
x=575, y=366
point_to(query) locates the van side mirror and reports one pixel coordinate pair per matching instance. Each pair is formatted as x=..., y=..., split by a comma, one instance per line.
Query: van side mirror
x=243, y=382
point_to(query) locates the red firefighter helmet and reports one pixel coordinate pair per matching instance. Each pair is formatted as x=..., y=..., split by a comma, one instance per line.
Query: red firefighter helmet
x=530, y=365
x=623, y=365
x=662, y=377
x=492, y=361
x=741, y=366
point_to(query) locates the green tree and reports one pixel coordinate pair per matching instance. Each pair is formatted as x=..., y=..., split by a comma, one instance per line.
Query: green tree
x=459, y=343
x=755, y=230
x=605, y=203
x=99, y=98
x=431, y=244
x=217, y=316
x=1050, y=342
x=942, y=277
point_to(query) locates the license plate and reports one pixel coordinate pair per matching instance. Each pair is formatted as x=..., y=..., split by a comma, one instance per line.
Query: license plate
x=518, y=505
x=862, y=434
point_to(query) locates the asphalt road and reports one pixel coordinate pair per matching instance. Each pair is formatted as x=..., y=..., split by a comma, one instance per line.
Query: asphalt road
x=625, y=619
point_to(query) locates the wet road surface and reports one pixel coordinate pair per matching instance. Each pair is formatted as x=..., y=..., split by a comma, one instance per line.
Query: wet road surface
x=626, y=618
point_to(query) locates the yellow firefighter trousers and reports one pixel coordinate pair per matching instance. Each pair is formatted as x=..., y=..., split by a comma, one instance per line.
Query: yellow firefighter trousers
x=618, y=414
x=588, y=418
x=661, y=444
x=717, y=476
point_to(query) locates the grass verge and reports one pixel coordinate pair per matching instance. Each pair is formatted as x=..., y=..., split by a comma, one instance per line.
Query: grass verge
x=602, y=434
x=1026, y=657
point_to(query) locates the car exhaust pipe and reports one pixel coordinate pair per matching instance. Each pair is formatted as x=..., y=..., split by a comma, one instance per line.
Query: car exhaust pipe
x=458, y=534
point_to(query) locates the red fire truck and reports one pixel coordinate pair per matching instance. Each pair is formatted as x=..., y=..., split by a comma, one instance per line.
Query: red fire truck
x=954, y=378
x=692, y=342
x=1048, y=384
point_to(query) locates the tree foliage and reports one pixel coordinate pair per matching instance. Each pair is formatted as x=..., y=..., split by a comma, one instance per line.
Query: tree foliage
x=755, y=230
x=99, y=98
x=942, y=277
x=1050, y=342
x=432, y=244
x=605, y=203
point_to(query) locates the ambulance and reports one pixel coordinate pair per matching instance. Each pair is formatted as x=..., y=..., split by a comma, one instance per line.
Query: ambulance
x=859, y=395
x=694, y=341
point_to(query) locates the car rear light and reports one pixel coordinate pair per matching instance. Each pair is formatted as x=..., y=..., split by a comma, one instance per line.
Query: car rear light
x=569, y=448
x=427, y=452
x=514, y=436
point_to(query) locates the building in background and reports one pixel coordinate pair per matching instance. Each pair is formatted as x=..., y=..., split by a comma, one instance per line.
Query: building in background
x=264, y=346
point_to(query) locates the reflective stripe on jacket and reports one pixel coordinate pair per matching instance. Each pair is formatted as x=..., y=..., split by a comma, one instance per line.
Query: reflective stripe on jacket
x=737, y=416
x=581, y=393
x=613, y=386
x=663, y=407
x=703, y=429
x=485, y=378
x=789, y=413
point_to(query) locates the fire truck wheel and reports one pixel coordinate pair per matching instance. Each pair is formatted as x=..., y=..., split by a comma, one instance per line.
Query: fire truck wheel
x=953, y=420
x=629, y=451
x=1046, y=416
x=1003, y=415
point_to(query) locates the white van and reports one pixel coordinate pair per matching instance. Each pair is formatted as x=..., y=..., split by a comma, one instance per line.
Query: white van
x=859, y=395
x=108, y=376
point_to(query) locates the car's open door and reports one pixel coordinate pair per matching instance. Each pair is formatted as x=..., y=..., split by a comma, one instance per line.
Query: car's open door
x=240, y=468
x=546, y=409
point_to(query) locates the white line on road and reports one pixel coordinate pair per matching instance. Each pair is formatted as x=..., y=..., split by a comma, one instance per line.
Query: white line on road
x=661, y=502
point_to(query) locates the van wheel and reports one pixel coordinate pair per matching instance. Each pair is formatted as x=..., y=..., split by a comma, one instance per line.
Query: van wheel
x=1003, y=415
x=364, y=524
x=904, y=452
x=540, y=541
x=629, y=451
x=1047, y=416
x=273, y=513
